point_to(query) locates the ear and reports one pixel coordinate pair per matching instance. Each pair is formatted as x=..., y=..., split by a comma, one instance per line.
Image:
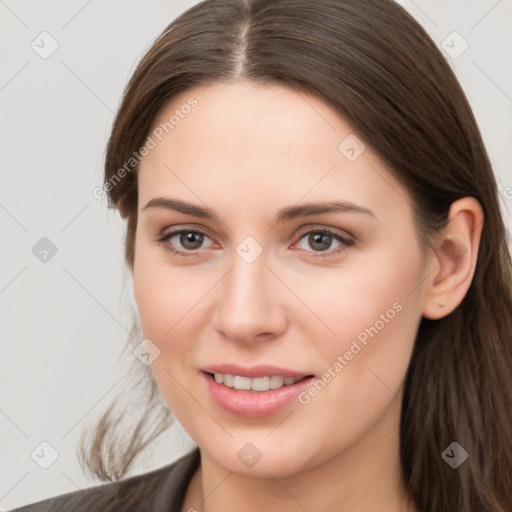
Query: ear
x=454, y=260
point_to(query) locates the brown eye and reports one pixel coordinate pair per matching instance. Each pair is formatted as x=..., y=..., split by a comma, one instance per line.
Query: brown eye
x=323, y=241
x=191, y=240
x=320, y=241
x=184, y=241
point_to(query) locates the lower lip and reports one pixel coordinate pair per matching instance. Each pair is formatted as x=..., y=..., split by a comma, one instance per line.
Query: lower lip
x=254, y=404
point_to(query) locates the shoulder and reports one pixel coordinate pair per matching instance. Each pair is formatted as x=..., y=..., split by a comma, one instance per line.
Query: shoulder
x=160, y=490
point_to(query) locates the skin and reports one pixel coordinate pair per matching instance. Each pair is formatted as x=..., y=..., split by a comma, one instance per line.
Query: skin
x=246, y=151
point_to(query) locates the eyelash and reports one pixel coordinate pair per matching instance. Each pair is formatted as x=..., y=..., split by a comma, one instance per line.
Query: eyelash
x=346, y=242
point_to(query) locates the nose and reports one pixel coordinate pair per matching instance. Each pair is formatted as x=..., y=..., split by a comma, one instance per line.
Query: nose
x=250, y=306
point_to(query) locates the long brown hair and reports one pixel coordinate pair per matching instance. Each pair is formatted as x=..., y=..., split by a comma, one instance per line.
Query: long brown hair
x=373, y=63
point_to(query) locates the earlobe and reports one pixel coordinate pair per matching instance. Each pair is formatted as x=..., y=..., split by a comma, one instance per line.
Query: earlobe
x=454, y=260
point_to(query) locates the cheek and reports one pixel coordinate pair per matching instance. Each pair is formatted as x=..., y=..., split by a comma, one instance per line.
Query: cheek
x=375, y=318
x=167, y=319
x=171, y=305
x=377, y=300
x=164, y=294
x=155, y=306
x=371, y=296
x=164, y=307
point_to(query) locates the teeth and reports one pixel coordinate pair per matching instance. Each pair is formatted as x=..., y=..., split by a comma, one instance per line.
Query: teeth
x=276, y=382
x=260, y=384
x=229, y=380
x=242, y=383
x=256, y=384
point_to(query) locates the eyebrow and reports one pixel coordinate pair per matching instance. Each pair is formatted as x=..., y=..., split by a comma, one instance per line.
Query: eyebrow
x=284, y=215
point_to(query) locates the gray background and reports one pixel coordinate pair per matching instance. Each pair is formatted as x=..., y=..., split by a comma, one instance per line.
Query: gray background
x=64, y=321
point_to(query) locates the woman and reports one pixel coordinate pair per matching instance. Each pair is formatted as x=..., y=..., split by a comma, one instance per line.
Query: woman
x=320, y=269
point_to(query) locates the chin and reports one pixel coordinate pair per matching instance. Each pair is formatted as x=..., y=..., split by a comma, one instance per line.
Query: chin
x=262, y=458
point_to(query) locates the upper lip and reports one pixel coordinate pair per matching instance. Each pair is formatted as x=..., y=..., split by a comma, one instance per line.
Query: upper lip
x=260, y=370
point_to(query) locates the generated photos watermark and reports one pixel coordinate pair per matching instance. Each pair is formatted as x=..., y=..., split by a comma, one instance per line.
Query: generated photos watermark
x=356, y=347
x=151, y=142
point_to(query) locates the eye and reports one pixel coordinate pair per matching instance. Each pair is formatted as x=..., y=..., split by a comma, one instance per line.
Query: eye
x=183, y=241
x=322, y=241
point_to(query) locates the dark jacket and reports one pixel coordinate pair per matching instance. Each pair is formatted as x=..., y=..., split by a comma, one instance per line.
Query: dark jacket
x=161, y=490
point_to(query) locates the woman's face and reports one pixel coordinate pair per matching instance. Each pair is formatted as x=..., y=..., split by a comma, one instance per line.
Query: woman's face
x=301, y=260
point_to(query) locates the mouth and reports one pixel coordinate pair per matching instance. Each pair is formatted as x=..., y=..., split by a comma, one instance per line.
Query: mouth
x=256, y=384
x=258, y=392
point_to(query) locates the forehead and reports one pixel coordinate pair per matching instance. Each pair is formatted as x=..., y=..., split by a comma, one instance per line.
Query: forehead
x=244, y=139
x=247, y=114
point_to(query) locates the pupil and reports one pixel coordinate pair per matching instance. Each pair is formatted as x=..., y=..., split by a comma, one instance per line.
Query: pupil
x=317, y=239
x=191, y=240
